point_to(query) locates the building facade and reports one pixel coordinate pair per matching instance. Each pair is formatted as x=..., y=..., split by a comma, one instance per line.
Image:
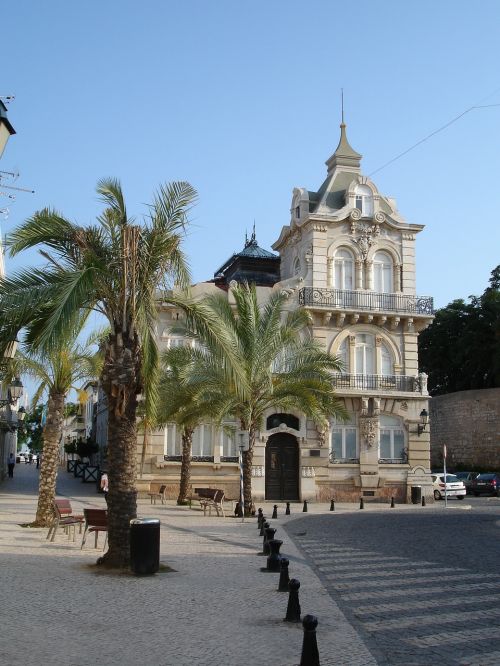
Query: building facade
x=347, y=256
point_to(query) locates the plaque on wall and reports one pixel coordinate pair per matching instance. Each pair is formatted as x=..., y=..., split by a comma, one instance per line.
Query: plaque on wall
x=314, y=452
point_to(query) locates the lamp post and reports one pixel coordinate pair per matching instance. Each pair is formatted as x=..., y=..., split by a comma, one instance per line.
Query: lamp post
x=243, y=439
x=6, y=129
x=14, y=392
x=424, y=420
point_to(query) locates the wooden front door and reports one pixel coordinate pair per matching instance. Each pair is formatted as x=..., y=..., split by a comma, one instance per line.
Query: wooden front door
x=282, y=468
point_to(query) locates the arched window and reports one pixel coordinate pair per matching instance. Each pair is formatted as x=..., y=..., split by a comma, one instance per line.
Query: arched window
x=364, y=200
x=343, y=270
x=365, y=354
x=344, y=442
x=343, y=355
x=275, y=420
x=392, y=439
x=387, y=363
x=383, y=274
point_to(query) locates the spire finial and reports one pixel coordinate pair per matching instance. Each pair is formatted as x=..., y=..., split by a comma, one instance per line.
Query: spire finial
x=342, y=98
x=253, y=232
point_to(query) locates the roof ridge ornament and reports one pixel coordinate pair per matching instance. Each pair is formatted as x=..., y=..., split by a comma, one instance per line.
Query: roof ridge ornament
x=344, y=155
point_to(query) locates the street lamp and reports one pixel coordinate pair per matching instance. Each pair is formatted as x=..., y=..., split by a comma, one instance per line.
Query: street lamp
x=14, y=392
x=424, y=419
x=6, y=129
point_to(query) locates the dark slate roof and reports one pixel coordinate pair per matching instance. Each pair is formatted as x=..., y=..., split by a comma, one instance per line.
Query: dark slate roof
x=252, y=264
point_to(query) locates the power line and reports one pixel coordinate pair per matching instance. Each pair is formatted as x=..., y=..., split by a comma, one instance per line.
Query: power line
x=477, y=105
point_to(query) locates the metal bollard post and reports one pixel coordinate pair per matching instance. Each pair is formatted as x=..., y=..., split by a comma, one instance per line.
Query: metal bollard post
x=392, y=503
x=361, y=503
x=274, y=559
x=269, y=533
x=284, y=577
x=423, y=500
x=310, y=654
x=275, y=511
x=287, y=512
x=304, y=509
x=263, y=526
x=293, y=608
x=332, y=505
x=259, y=517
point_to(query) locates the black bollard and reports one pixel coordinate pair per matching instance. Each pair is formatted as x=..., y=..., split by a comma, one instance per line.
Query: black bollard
x=259, y=517
x=304, y=509
x=310, y=654
x=284, y=577
x=263, y=526
x=332, y=505
x=274, y=559
x=238, y=511
x=287, y=512
x=392, y=503
x=361, y=503
x=269, y=533
x=293, y=608
x=275, y=511
x=423, y=500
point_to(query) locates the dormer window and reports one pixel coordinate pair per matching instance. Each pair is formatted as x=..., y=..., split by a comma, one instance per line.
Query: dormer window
x=364, y=200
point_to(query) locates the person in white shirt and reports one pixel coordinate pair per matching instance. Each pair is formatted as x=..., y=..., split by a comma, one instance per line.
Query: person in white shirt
x=105, y=485
x=11, y=462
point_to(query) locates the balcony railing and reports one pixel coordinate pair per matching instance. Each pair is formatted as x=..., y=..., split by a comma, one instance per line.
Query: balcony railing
x=404, y=383
x=341, y=299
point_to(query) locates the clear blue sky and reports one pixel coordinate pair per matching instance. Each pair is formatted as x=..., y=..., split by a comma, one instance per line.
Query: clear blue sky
x=243, y=100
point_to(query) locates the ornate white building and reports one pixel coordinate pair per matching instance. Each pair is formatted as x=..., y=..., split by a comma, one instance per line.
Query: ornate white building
x=348, y=256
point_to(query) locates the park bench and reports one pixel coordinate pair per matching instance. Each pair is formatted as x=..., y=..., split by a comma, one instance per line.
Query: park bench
x=64, y=517
x=211, y=498
x=157, y=491
x=96, y=520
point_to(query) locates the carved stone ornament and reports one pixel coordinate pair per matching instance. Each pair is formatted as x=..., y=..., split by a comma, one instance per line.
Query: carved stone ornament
x=404, y=405
x=308, y=254
x=308, y=472
x=322, y=435
x=233, y=284
x=355, y=214
x=258, y=471
x=379, y=217
x=368, y=427
x=364, y=244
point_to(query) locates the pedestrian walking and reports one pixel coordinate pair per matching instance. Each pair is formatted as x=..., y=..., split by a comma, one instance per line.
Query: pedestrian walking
x=38, y=459
x=11, y=463
x=105, y=485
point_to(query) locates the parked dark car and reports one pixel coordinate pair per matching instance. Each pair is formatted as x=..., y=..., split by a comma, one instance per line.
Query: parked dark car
x=486, y=483
x=467, y=478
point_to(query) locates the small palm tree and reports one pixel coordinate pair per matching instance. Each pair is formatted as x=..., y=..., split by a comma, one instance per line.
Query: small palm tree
x=273, y=365
x=185, y=401
x=120, y=269
x=57, y=372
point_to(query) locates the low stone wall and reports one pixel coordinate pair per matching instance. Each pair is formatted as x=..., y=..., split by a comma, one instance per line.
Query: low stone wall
x=468, y=422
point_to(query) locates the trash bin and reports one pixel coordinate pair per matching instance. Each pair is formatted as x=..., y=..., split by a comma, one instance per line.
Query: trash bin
x=416, y=494
x=145, y=546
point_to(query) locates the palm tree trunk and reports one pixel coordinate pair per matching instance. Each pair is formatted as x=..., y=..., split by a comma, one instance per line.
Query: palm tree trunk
x=120, y=380
x=48, y=471
x=187, y=441
x=247, y=471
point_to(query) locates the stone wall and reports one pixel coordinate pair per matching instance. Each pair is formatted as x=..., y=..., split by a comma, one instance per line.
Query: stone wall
x=468, y=422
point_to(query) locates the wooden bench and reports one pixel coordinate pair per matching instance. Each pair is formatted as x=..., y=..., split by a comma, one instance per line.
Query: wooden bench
x=157, y=491
x=64, y=517
x=96, y=520
x=211, y=498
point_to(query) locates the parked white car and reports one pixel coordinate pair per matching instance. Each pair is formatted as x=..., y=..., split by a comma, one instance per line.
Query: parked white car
x=454, y=487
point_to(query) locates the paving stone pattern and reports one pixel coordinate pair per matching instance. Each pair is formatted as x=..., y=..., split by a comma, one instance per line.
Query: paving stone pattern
x=215, y=609
x=445, y=615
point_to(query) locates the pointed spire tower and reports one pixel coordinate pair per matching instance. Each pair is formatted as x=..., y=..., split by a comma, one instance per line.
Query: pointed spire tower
x=344, y=155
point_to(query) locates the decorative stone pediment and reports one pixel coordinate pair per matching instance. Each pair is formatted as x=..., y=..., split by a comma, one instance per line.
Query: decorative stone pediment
x=368, y=427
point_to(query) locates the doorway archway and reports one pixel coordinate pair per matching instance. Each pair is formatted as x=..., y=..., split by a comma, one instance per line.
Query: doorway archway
x=282, y=468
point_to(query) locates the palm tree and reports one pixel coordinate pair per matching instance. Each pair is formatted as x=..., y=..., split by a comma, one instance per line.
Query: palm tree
x=57, y=372
x=185, y=401
x=273, y=365
x=120, y=269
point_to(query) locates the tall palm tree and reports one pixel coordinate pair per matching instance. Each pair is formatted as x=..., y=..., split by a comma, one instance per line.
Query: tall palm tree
x=274, y=365
x=120, y=269
x=57, y=372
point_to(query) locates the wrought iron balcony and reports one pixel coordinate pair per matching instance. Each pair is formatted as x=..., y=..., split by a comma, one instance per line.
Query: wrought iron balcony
x=367, y=301
x=404, y=383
